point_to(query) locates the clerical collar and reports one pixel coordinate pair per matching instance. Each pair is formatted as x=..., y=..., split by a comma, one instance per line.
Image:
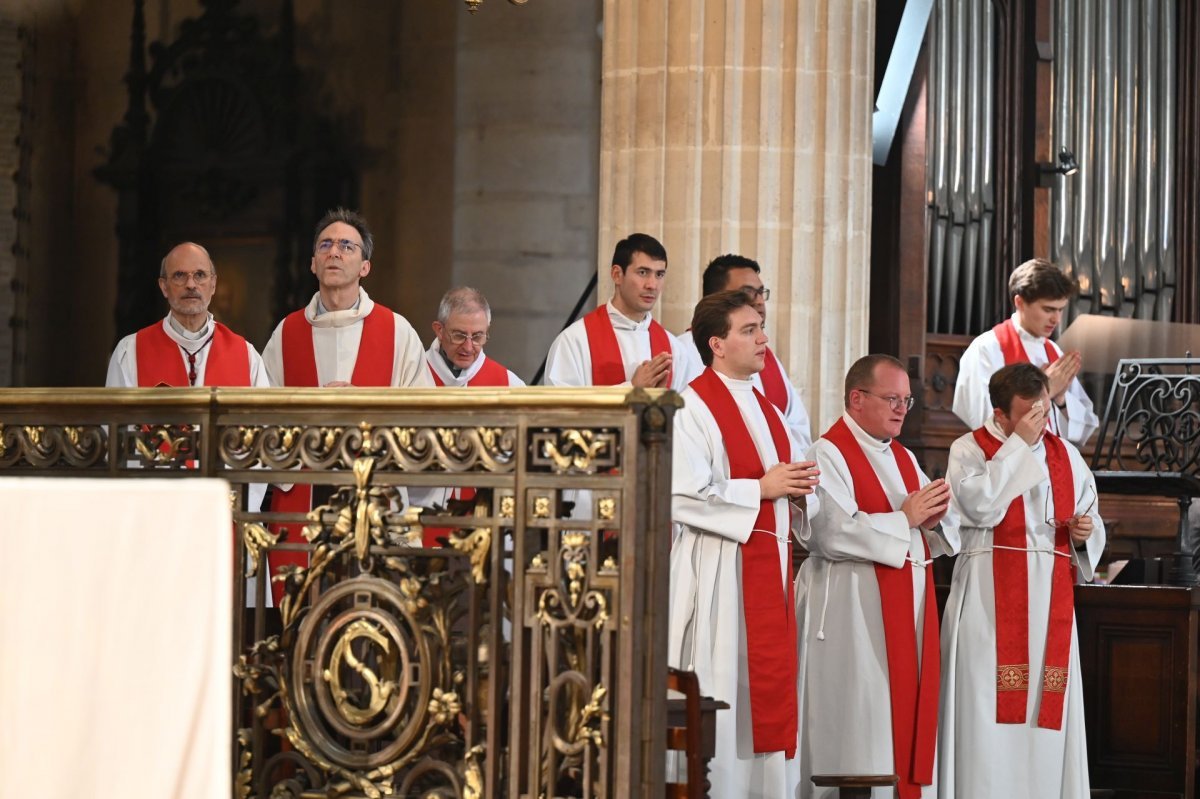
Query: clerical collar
x=1022, y=332
x=454, y=368
x=184, y=333
x=622, y=322
x=321, y=309
x=865, y=438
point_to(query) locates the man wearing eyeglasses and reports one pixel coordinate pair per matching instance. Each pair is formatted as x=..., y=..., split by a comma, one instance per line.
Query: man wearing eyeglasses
x=869, y=653
x=343, y=337
x=1040, y=292
x=456, y=355
x=737, y=273
x=188, y=347
x=1012, y=699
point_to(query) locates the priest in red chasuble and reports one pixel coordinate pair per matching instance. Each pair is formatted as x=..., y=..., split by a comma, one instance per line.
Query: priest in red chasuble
x=1012, y=698
x=869, y=655
x=188, y=347
x=738, y=498
x=455, y=356
x=1040, y=292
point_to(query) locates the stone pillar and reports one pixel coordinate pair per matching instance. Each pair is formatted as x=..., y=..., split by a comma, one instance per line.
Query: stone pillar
x=745, y=126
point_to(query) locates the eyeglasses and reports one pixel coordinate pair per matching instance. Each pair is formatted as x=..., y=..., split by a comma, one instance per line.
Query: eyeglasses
x=896, y=402
x=200, y=277
x=345, y=245
x=459, y=337
x=1056, y=523
x=753, y=293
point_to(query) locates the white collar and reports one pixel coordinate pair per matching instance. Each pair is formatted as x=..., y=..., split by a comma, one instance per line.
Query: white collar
x=437, y=360
x=350, y=316
x=1022, y=332
x=620, y=321
x=185, y=338
x=866, y=440
x=734, y=384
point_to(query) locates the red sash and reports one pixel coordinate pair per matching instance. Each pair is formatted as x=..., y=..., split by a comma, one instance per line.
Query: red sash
x=160, y=360
x=490, y=373
x=769, y=615
x=607, y=367
x=914, y=689
x=372, y=367
x=773, y=383
x=1012, y=347
x=1010, y=575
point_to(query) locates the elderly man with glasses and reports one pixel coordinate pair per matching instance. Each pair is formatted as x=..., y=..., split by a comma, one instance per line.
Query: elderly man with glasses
x=188, y=347
x=865, y=604
x=738, y=273
x=455, y=356
x=1012, y=698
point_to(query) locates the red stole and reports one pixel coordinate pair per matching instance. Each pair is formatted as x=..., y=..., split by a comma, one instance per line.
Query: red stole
x=769, y=615
x=490, y=373
x=160, y=359
x=372, y=367
x=1010, y=575
x=1012, y=347
x=914, y=690
x=773, y=383
x=607, y=367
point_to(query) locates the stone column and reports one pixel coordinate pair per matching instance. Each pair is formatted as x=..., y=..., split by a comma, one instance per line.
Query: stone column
x=745, y=126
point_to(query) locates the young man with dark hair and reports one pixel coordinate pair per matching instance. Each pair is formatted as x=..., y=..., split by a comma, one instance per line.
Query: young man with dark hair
x=1040, y=292
x=619, y=343
x=732, y=614
x=733, y=272
x=869, y=654
x=1012, y=701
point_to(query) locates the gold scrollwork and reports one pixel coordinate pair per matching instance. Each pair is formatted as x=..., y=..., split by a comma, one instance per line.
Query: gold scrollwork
x=444, y=706
x=257, y=539
x=476, y=544
x=381, y=690
x=161, y=445
x=575, y=450
x=580, y=448
x=606, y=508
x=587, y=727
x=508, y=505
x=541, y=507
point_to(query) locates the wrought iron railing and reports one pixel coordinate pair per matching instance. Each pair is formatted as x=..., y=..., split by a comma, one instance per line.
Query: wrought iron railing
x=525, y=659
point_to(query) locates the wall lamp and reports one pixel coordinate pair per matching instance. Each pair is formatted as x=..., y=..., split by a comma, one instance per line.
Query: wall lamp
x=1066, y=166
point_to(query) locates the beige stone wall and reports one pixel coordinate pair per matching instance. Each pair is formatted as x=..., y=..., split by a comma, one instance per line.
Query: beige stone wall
x=526, y=167
x=744, y=126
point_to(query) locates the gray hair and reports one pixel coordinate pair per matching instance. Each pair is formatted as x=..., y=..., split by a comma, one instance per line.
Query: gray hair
x=162, y=265
x=462, y=299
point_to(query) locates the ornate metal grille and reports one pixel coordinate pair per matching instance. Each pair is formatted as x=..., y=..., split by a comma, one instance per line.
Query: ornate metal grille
x=527, y=658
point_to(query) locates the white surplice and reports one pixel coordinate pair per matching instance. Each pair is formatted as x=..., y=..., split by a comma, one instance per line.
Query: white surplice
x=570, y=360
x=713, y=515
x=437, y=362
x=795, y=415
x=983, y=358
x=122, y=366
x=978, y=758
x=845, y=697
x=336, y=335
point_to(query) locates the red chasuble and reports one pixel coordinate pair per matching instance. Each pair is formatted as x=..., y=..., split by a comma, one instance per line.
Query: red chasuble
x=373, y=367
x=914, y=690
x=160, y=359
x=1010, y=574
x=773, y=383
x=607, y=367
x=770, y=616
x=490, y=374
x=1012, y=348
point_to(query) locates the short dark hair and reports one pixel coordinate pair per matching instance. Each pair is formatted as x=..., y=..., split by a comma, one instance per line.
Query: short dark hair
x=1039, y=279
x=711, y=318
x=862, y=373
x=347, y=217
x=1016, y=380
x=716, y=274
x=638, y=242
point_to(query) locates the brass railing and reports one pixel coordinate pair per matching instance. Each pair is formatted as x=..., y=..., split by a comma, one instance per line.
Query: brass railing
x=527, y=659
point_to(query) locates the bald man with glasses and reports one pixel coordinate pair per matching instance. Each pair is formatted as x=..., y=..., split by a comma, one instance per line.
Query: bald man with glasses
x=188, y=347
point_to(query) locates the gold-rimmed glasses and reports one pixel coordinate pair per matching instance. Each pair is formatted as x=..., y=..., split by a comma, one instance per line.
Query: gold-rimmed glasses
x=1056, y=523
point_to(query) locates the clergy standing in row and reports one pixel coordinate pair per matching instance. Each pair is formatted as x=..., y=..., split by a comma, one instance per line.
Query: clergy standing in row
x=188, y=347
x=341, y=338
x=619, y=343
x=1012, y=698
x=869, y=655
x=738, y=273
x=737, y=497
x=1040, y=292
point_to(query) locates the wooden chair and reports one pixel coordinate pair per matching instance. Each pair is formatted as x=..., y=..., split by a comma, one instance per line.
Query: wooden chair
x=691, y=729
x=854, y=787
